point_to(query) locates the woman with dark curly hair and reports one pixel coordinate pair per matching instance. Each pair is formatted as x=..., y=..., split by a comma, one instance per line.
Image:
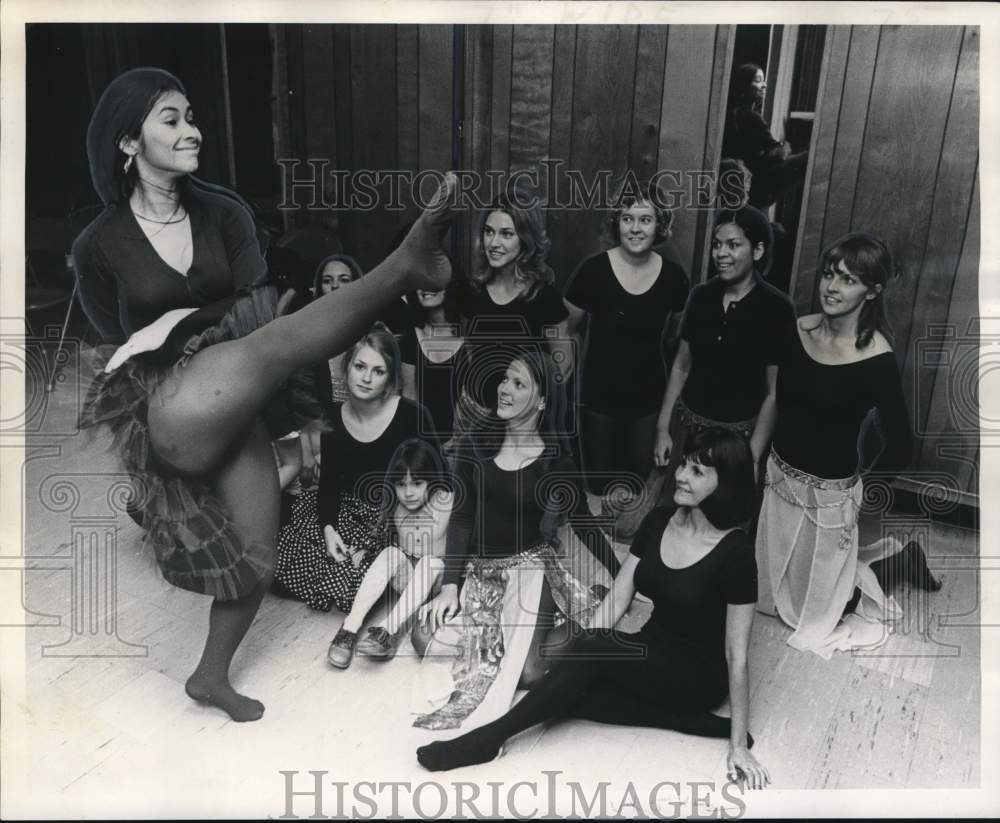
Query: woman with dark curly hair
x=630, y=294
x=838, y=378
x=172, y=271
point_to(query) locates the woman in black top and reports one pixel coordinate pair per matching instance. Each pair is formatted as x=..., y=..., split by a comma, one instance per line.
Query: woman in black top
x=333, y=537
x=172, y=271
x=697, y=567
x=629, y=295
x=433, y=351
x=748, y=138
x=514, y=487
x=508, y=299
x=726, y=368
x=838, y=377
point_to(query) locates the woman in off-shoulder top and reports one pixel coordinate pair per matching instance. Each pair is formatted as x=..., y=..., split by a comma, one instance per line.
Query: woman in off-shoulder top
x=838, y=378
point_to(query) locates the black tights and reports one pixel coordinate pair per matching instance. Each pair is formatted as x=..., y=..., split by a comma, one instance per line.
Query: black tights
x=601, y=679
x=614, y=447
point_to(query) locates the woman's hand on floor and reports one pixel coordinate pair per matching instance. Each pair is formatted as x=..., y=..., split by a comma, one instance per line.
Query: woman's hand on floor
x=743, y=767
x=435, y=612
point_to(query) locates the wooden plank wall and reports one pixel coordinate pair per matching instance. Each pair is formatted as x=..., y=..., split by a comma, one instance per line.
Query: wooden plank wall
x=363, y=97
x=594, y=97
x=895, y=152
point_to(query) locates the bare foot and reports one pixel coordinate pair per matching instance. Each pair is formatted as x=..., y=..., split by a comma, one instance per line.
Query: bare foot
x=239, y=708
x=427, y=264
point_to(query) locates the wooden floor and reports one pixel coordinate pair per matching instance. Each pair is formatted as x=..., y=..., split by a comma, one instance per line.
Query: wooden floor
x=111, y=733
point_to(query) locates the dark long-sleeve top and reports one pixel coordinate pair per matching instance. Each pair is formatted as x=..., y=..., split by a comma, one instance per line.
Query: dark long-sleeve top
x=499, y=513
x=125, y=285
x=347, y=464
x=822, y=409
x=748, y=138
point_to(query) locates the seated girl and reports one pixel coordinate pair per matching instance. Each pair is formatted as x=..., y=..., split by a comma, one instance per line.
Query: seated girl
x=419, y=503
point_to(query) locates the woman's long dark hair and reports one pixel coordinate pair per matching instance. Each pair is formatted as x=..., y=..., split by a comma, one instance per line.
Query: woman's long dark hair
x=120, y=113
x=741, y=91
x=421, y=461
x=525, y=210
x=869, y=259
x=346, y=259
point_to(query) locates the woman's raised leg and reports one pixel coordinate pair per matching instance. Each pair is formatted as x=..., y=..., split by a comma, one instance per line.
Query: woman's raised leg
x=247, y=482
x=193, y=415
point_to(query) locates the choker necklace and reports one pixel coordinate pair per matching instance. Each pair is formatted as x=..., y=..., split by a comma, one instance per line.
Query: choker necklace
x=161, y=222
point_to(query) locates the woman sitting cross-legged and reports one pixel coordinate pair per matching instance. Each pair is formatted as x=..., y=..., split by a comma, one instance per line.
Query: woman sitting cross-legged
x=698, y=568
x=418, y=499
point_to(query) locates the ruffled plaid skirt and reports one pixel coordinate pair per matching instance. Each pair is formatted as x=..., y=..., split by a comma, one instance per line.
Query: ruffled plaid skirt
x=188, y=528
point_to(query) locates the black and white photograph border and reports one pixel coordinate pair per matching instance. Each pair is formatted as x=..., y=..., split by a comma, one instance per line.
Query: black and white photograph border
x=895, y=104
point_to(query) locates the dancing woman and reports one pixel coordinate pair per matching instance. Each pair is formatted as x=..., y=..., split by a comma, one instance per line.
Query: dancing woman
x=697, y=567
x=511, y=491
x=629, y=293
x=838, y=378
x=172, y=264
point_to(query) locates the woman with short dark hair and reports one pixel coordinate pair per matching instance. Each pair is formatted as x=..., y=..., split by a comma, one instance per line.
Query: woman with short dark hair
x=697, y=566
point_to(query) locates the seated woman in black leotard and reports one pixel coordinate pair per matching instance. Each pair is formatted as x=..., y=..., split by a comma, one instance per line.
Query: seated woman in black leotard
x=433, y=352
x=697, y=567
x=514, y=487
x=748, y=138
x=172, y=270
x=839, y=376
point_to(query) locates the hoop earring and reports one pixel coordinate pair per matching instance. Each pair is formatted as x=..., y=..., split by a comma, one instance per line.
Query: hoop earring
x=128, y=163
